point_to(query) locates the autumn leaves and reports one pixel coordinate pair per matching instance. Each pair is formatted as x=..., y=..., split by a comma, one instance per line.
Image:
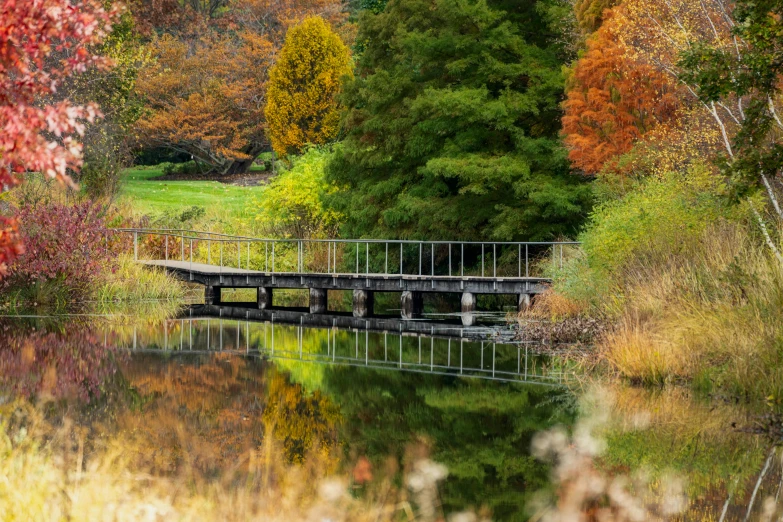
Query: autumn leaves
x=626, y=92
x=215, y=97
x=303, y=86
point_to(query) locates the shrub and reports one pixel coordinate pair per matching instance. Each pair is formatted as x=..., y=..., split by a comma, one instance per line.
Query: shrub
x=291, y=206
x=187, y=168
x=64, y=244
x=660, y=218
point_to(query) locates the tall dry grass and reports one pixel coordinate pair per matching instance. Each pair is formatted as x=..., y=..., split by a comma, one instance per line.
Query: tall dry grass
x=62, y=473
x=131, y=281
x=710, y=311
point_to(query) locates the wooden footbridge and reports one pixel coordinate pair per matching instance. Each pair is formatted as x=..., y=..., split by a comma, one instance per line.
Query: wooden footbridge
x=411, y=268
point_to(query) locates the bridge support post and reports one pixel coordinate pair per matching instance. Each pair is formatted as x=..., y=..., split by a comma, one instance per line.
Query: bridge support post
x=264, y=298
x=468, y=302
x=525, y=300
x=412, y=304
x=363, y=301
x=318, y=301
x=212, y=295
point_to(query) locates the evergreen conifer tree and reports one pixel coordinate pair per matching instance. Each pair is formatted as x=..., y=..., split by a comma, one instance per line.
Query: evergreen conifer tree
x=452, y=126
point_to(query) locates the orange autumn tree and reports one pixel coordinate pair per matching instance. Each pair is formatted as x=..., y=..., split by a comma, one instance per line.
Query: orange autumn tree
x=303, y=87
x=614, y=101
x=206, y=99
x=206, y=91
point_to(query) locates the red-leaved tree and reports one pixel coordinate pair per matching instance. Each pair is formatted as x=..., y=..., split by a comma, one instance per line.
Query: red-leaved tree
x=37, y=137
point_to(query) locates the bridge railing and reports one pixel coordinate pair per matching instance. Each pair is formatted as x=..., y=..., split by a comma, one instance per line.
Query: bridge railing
x=490, y=259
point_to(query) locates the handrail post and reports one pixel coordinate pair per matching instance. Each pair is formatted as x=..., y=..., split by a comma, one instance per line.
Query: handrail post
x=462, y=260
x=449, y=259
x=519, y=259
x=221, y=256
x=400, y=258
x=182, y=247
x=239, y=255
x=328, y=257
x=273, y=257
x=494, y=259
x=386, y=265
x=482, y=259
x=248, y=255
x=432, y=257
x=135, y=246
x=167, y=247
x=357, y=259
x=420, y=247
x=367, y=257
x=527, y=262
x=191, y=258
x=209, y=250
x=266, y=256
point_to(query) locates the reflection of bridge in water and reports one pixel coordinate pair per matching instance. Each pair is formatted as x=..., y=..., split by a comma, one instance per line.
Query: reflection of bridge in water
x=379, y=343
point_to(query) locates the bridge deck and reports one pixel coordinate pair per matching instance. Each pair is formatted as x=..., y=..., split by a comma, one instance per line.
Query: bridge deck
x=225, y=277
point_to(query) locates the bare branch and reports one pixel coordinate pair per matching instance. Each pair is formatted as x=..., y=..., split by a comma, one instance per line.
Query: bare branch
x=771, y=194
x=767, y=237
x=774, y=112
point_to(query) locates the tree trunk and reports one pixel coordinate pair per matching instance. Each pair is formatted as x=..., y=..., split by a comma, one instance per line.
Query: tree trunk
x=239, y=167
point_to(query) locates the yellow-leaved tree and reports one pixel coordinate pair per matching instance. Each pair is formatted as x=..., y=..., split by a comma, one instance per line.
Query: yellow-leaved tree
x=302, y=102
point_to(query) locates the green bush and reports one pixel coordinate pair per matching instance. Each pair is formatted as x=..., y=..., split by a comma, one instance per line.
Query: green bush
x=190, y=168
x=656, y=219
x=291, y=206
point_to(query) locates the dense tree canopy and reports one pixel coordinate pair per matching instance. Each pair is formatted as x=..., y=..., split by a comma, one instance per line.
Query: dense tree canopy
x=452, y=126
x=303, y=87
x=206, y=90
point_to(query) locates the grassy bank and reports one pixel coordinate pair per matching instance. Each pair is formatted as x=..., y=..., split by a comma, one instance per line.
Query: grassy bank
x=692, y=292
x=146, y=195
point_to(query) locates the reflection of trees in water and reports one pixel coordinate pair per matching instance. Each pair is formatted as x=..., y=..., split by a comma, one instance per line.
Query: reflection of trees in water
x=302, y=421
x=62, y=364
x=210, y=413
x=480, y=431
x=200, y=412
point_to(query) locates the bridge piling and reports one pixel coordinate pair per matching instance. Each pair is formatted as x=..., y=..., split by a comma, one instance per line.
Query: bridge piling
x=264, y=297
x=363, y=301
x=212, y=295
x=525, y=300
x=318, y=300
x=412, y=304
x=468, y=302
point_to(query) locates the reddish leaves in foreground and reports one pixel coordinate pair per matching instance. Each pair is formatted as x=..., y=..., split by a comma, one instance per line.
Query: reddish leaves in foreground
x=62, y=242
x=35, y=137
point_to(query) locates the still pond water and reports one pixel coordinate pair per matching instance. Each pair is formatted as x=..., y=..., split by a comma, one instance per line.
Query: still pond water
x=379, y=393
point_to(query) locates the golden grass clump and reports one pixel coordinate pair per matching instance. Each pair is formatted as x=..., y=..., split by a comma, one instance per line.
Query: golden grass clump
x=64, y=472
x=713, y=306
x=132, y=281
x=553, y=306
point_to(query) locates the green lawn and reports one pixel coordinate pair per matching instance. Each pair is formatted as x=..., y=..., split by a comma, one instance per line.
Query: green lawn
x=148, y=196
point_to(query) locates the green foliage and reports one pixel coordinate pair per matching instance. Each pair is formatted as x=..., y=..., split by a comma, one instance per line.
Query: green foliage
x=186, y=168
x=291, y=206
x=657, y=219
x=724, y=74
x=452, y=126
x=106, y=151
